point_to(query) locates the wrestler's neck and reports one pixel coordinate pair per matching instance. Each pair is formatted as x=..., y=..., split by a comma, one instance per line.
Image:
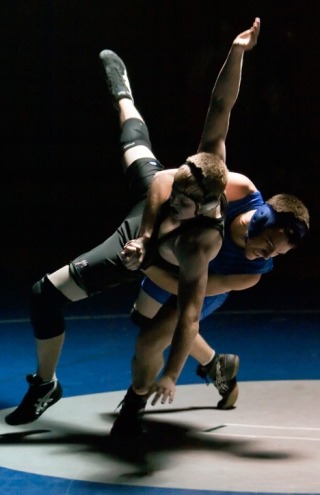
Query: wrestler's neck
x=239, y=228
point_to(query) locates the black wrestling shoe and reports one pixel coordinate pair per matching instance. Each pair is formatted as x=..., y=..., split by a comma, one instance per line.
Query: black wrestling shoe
x=116, y=76
x=222, y=370
x=39, y=397
x=128, y=424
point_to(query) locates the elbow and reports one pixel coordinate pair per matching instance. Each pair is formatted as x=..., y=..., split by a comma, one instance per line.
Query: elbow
x=255, y=279
x=222, y=104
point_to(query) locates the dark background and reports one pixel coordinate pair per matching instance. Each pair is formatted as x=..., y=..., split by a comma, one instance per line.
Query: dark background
x=61, y=177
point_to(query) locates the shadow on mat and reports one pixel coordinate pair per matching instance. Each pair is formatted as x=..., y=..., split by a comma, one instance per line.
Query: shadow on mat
x=149, y=452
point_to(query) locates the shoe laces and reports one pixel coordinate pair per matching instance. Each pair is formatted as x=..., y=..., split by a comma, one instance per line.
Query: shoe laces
x=121, y=79
x=42, y=403
x=201, y=371
x=219, y=380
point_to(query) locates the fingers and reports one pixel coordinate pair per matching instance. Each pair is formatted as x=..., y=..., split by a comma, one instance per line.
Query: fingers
x=255, y=30
x=161, y=393
x=130, y=256
x=132, y=246
x=131, y=264
x=256, y=27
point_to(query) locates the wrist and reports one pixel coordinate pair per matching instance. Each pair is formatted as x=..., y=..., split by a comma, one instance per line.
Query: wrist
x=171, y=374
x=237, y=49
x=145, y=236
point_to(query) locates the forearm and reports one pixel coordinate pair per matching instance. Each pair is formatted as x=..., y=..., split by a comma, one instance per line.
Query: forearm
x=226, y=88
x=225, y=93
x=158, y=193
x=169, y=282
x=189, y=302
x=216, y=284
x=227, y=85
x=219, y=284
x=180, y=349
x=150, y=212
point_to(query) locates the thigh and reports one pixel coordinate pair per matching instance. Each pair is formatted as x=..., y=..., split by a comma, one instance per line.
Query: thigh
x=101, y=268
x=150, y=298
x=157, y=336
x=139, y=177
x=63, y=281
x=133, y=154
x=146, y=305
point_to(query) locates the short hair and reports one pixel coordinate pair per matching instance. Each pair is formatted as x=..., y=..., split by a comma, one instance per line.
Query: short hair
x=287, y=203
x=203, y=177
x=296, y=214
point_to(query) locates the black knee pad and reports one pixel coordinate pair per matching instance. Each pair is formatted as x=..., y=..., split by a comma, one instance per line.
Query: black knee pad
x=134, y=132
x=46, y=309
x=138, y=319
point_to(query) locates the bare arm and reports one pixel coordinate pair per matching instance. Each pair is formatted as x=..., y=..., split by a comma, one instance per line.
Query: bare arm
x=223, y=98
x=216, y=284
x=225, y=93
x=159, y=191
x=193, y=254
x=219, y=284
x=191, y=293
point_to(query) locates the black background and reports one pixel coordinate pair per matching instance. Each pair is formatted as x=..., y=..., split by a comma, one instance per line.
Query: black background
x=61, y=177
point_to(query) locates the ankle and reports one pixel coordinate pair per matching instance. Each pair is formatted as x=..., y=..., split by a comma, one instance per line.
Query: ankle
x=209, y=361
x=140, y=392
x=45, y=378
x=134, y=401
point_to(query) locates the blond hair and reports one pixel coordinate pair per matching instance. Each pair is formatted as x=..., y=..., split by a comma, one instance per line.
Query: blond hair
x=202, y=177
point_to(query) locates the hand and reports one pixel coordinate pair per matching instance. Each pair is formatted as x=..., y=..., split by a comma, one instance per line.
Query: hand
x=133, y=253
x=248, y=39
x=163, y=389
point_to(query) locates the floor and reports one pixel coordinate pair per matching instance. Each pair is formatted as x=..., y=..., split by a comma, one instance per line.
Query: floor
x=269, y=443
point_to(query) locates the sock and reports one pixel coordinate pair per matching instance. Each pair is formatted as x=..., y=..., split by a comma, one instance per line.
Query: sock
x=208, y=362
x=53, y=379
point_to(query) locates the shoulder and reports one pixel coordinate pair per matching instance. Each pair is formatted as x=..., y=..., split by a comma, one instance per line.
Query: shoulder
x=238, y=186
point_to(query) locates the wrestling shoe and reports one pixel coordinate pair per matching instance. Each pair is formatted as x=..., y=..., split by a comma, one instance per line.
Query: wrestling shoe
x=128, y=423
x=222, y=370
x=116, y=76
x=39, y=397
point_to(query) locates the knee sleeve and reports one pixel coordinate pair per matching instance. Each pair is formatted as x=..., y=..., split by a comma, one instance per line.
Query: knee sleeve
x=138, y=319
x=134, y=132
x=46, y=309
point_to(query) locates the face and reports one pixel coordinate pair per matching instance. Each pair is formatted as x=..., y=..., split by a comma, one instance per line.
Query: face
x=181, y=206
x=270, y=243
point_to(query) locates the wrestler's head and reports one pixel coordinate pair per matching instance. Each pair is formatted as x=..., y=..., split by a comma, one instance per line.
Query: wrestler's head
x=198, y=185
x=277, y=227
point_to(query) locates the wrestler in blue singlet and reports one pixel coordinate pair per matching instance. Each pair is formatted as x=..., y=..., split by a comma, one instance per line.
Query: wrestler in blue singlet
x=229, y=261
